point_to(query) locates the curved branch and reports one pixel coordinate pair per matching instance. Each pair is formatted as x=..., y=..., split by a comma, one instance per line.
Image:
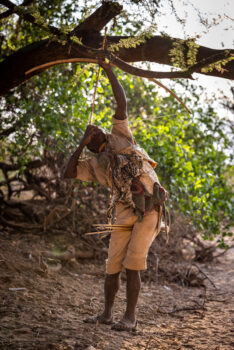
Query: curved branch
x=172, y=93
x=146, y=73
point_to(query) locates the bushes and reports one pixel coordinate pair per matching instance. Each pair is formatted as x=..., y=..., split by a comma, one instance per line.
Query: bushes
x=47, y=117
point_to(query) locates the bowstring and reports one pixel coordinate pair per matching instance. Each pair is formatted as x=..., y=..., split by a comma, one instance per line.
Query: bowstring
x=96, y=85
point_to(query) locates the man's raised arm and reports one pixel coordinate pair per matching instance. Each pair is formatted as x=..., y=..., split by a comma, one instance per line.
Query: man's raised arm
x=121, y=109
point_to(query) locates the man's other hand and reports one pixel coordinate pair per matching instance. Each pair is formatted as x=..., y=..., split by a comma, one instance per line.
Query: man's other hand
x=90, y=132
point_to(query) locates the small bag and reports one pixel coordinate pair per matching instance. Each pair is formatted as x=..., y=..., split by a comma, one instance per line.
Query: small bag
x=144, y=201
x=159, y=194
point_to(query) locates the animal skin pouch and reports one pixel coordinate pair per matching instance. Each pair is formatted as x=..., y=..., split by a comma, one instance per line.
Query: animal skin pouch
x=160, y=194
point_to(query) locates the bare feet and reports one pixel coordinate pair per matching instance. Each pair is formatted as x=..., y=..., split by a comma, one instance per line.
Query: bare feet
x=125, y=325
x=98, y=319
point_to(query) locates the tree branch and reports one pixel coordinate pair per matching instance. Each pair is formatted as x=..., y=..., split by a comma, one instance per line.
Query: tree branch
x=10, y=130
x=34, y=164
x=46, y=53
x=197, y=67
x=99, y=18
x=28, y=17
x=7, y=4
x=146, y=73
x=94, y=23
x=9, y=12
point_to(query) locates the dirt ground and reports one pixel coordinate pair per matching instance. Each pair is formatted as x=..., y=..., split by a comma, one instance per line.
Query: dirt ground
x=42, y=305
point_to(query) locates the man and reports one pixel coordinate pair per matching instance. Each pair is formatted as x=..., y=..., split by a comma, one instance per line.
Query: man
x=136, y=196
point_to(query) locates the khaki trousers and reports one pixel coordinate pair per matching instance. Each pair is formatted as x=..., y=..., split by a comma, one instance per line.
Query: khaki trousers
x=129, y=249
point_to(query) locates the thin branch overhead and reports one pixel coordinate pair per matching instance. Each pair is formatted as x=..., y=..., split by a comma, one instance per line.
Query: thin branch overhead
x=83, y=44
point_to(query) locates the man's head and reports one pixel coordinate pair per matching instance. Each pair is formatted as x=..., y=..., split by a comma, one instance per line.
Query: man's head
x=97, y=140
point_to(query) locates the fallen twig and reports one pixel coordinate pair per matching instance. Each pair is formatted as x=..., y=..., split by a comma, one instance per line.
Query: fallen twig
x=224, y=252
x=148, y=342
x=17, y=289
x=19, y=225
x=186, y=308
x=204, y=274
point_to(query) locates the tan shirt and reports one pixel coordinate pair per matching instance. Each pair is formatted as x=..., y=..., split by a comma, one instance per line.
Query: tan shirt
x=120, y=141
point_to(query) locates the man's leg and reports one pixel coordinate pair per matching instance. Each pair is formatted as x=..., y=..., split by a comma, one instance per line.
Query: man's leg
x=133, y=290
x=142, y=236
x=111, y=287
x=128, y=321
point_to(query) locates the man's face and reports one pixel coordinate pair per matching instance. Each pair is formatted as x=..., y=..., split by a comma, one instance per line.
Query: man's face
x=98, y=139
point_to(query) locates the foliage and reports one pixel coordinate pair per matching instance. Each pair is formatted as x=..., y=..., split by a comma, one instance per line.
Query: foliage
x=50, y=113
x=133, y=41
x=54, y=110
x=194, y=153
x=191, y=151
x=219, y=65
x=177, y=54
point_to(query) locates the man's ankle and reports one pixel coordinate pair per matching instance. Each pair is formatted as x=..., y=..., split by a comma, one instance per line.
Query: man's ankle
x=130, y=317
x=106, y=315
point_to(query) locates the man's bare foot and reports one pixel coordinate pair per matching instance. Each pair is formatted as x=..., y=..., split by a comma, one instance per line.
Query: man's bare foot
x=125, y=325
x=98, y=319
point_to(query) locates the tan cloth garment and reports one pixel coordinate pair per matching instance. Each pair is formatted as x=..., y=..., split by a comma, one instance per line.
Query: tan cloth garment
x=127, y=249
x=120, y=141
